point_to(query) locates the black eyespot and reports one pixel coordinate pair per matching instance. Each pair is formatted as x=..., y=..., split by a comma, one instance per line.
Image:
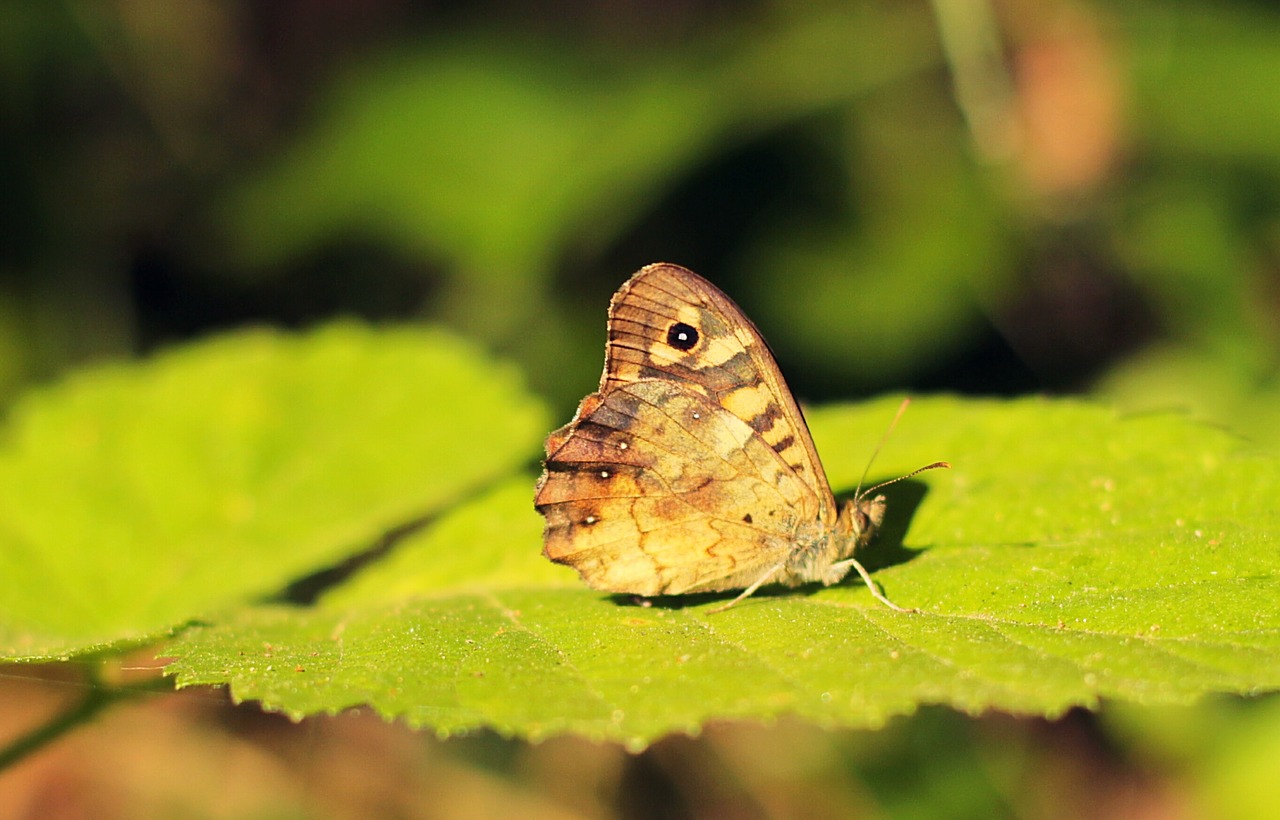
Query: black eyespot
x=682, y=336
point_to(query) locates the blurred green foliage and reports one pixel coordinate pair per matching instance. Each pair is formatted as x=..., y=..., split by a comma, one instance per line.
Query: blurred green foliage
x=1003, y=198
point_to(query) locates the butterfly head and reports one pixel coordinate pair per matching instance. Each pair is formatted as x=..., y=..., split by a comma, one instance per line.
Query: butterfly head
x=868, y=515
x=859, y=521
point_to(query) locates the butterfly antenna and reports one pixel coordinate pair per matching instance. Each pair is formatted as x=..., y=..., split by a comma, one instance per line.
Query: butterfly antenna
x=860, y=493
x=902, y=408
x=937, y=465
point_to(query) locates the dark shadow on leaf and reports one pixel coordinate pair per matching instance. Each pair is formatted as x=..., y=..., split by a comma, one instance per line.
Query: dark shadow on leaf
x=694, y=599
x=661, y=601
x=305, y=590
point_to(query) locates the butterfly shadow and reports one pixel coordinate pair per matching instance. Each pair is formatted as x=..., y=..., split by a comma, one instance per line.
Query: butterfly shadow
x=885, y=550
x=901, y=502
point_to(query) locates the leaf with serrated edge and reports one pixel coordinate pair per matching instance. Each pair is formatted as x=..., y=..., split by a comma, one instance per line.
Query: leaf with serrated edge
x=135, y=498
x=1071, y=555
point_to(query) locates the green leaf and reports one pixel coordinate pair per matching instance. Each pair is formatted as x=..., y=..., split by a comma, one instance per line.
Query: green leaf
x=135, y=498
x=1070, y=555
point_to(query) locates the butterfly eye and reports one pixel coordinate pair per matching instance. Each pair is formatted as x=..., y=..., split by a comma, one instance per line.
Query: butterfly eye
x=682, y=336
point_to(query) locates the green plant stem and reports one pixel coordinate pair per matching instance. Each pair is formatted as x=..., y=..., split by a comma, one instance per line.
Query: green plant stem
x=99, y=698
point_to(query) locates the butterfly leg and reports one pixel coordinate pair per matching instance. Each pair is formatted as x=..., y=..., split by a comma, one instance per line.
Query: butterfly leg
x=871, y=585
x=761, y=581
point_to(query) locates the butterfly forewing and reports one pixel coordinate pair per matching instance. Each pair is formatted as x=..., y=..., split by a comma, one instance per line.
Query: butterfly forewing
x=669, y=323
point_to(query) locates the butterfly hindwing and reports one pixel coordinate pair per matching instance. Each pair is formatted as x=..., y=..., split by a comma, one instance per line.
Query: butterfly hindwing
x=658, y=490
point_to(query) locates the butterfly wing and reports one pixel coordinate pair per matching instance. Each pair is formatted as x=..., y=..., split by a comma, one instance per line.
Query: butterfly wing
x=654, y=489
x=670, y=324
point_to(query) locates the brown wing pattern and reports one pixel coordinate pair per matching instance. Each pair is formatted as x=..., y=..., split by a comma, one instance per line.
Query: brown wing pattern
x=655, y=489
x=669, y=323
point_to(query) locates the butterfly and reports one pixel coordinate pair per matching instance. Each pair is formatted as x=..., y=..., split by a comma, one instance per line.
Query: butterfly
x=691, y=468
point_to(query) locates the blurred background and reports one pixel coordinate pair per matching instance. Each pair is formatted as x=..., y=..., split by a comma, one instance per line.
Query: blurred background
x=997, y=198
